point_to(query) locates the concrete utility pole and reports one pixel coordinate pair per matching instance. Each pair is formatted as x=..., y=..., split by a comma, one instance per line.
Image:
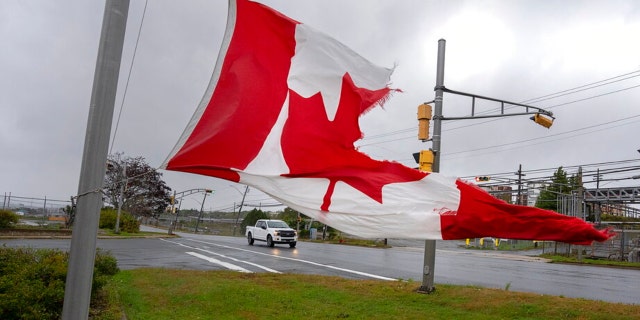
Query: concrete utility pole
x=77, y=292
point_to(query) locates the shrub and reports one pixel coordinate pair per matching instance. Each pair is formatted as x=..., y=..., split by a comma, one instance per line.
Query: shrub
x=32, y=281
x=128, y=223
x=8, y=219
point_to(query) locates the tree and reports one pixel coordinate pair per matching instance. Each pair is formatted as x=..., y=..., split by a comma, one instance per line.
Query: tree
x=289, y=216
x=70, y=212
x=8, y=219
x=253, y=216
x=560, y=184
x=145, y=193
x=127, y=222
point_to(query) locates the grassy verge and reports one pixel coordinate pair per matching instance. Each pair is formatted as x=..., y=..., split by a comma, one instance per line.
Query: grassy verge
x=141, y=234
x=184, y=294
x=589, y=261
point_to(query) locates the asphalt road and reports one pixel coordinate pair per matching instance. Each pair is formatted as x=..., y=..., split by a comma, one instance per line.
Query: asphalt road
x=453, y=264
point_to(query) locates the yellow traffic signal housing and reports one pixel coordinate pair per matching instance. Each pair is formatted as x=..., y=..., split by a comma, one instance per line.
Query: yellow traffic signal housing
x=426, y=161
x=542, y=120
x=424, y=115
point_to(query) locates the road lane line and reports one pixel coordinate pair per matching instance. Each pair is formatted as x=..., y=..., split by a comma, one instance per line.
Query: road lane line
x=222, y=263
x=223, y=256
x=370, y=275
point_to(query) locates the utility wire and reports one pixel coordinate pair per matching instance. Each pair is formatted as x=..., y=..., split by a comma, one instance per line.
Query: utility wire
x=126, y=86
x=545, y=137
x=565, y=168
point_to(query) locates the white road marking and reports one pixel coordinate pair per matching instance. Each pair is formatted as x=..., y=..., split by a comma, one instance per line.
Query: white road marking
x=300, y=260
x=223, y=256
x=222, y=263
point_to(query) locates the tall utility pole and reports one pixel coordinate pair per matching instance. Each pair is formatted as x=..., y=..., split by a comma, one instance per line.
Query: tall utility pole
x=540, y=116
x=519, y=174
x=77, y=291
x=430, y=245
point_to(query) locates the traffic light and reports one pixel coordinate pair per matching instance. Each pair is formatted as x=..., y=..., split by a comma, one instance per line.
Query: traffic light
x=483, y=178
x=542, y=120
x=173, y=200
x=424, y=115
x=425, y=160
x=208, y=190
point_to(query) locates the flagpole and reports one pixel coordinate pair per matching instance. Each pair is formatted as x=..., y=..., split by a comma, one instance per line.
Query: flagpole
x=77, y=294
x=430, y=245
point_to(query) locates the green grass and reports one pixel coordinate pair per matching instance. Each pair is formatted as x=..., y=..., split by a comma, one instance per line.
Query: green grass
x=185, y=294
x=599, y=262
x=141, y=234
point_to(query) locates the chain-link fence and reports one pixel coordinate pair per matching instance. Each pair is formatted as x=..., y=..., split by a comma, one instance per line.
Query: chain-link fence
x=34, y=206
x=207, y=222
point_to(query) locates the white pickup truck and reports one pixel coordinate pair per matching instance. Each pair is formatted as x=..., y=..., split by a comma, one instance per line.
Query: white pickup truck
x=272, y=232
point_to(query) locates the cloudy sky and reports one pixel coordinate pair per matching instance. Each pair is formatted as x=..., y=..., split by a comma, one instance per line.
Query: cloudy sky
x=579, y=59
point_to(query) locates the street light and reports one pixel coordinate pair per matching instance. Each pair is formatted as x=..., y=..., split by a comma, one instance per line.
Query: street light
x=206, y=192
x=180, y=195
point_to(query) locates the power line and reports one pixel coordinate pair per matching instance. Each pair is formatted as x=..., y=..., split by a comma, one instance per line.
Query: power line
x=546, y=137
x=126, y=86
x=552, y=169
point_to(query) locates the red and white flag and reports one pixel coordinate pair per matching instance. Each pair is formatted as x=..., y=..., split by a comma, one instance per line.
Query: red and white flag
x=281, y=114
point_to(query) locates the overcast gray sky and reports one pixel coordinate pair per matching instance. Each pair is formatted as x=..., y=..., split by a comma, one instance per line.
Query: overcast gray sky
x=513, y=50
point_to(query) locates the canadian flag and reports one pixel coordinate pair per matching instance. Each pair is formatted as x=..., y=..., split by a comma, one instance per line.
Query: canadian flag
x=281, y=114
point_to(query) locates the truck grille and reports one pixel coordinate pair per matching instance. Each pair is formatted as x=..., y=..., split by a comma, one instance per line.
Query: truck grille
x=287, y=233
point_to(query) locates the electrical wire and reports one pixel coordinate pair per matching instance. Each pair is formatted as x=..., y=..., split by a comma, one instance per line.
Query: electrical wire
x=126, y=86
x=548, y=136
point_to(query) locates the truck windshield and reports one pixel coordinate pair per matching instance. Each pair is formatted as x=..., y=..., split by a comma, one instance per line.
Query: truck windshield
x=277, y=224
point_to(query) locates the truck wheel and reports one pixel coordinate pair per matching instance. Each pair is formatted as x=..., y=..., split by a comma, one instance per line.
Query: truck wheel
x=292, y=244
x=250, y=239
x=270, y=241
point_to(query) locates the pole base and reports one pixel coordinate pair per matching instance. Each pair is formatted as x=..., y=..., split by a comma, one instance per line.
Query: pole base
x=426, y=290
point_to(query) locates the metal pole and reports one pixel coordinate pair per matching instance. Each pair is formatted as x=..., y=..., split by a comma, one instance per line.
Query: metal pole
x=77, y=293
x=430, y=245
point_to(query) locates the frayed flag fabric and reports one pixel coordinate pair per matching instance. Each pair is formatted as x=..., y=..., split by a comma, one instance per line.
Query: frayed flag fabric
x=281, y=114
